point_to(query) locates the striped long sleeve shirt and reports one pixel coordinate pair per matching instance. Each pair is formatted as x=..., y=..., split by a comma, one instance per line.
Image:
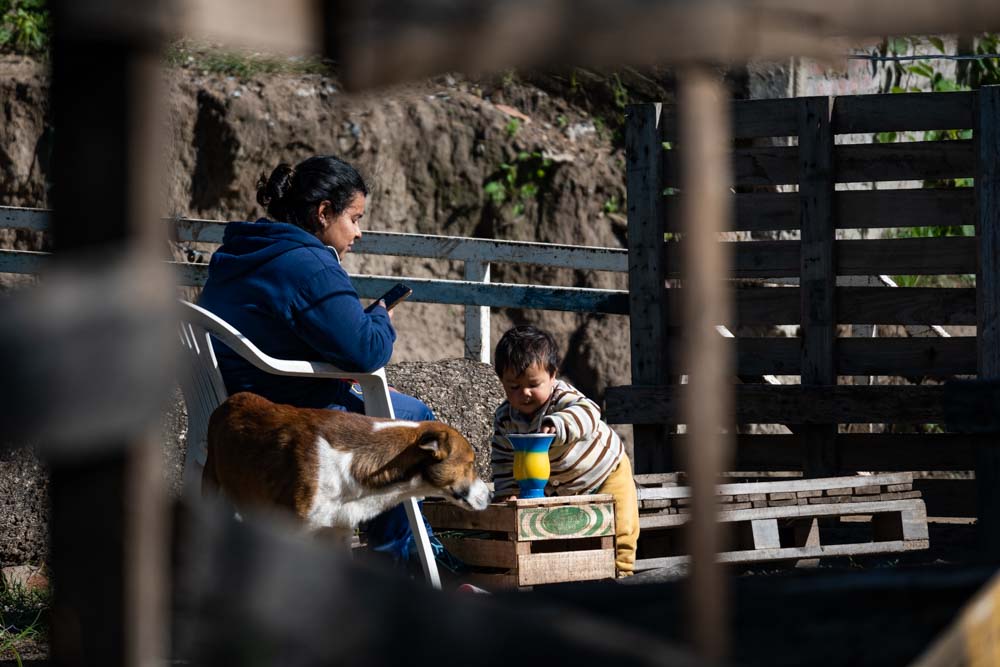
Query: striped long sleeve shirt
x=583, y=454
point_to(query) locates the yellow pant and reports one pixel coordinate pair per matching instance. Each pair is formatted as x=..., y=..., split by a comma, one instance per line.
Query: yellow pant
x=621, y=485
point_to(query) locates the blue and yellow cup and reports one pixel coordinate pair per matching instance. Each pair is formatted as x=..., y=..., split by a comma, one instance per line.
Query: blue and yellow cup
x=531, y=462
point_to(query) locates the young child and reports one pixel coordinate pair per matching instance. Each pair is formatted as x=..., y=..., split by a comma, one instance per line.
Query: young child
x=586, y=455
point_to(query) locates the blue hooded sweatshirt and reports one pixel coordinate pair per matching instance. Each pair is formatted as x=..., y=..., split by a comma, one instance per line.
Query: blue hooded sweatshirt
x=288, y=294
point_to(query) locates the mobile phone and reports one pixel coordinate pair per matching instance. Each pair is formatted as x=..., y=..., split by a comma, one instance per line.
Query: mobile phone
x=398, y=293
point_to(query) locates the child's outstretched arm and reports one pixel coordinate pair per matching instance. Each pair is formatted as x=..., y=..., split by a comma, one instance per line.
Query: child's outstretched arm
x=574, y=416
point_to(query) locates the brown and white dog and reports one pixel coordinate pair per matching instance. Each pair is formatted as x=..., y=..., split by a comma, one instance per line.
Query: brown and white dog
x=333, y=469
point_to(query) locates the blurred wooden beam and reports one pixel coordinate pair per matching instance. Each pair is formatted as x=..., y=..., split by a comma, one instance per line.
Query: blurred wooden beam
x=708, y=408
x=108, y=513
x=383, y=41
x=288, y=26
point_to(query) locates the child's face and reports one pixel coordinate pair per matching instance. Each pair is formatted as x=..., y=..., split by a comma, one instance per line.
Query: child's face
x=530, y=390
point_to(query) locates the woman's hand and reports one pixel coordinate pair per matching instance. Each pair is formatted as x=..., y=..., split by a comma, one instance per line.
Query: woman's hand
x=382, y=303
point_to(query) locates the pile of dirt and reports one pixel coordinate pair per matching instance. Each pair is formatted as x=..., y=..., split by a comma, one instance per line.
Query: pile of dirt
x=462, y=393
x=24, y=507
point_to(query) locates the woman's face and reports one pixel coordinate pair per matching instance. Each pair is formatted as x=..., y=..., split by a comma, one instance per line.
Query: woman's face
x=340, y=230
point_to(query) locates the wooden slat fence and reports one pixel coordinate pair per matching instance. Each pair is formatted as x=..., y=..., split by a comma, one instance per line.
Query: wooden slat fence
x=817, y=262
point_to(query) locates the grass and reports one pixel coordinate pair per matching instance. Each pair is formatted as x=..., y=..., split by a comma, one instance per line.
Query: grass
x=243, y=64
x=23, y=619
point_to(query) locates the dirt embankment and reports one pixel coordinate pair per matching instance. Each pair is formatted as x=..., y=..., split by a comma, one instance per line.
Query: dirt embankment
x=440, y=156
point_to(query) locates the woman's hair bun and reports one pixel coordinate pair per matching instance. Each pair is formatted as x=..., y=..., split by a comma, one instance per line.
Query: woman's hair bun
x=271, y=190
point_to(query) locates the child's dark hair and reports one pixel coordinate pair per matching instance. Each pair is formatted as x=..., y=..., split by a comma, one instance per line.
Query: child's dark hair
x=523, y=346
x=291, y=194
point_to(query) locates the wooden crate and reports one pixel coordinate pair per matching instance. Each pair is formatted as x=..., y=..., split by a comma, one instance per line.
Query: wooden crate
x=789, y=520
x=531, y=542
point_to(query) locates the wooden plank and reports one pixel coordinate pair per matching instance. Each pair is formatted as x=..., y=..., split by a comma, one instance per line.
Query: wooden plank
x=491, y=582
x=35, y=219
x=906, y=305
x=707, y=180
x=972, y=638
x=459, y=248
x=932, y=357
x=794, y=485
x=791, y=553
x=549, y=501
x=563, y=522
x=763, y=211
x=915, y=523
x=466, y=293
x=477, y=318
x=773, y=404
x=644, y=182
x=945, y=255
x=854, y=209
x=765, y=534
x=496, y=517
x=906, y=112
x=920, y=357
x=856, y=305
x=111, y=596
x=398, y=244
x=904, y=208
x=788, y=512
x=551, y=568
x=766, y=165
x=23, y=261
x=987, y=134
x=482, y=553
x=658, y=479
x=912, y=256
x=380, y=43
x=750, y=119
x=759, y=259
x=905, y=161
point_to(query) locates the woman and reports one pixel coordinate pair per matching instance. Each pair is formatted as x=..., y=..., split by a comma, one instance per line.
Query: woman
x=279, y=281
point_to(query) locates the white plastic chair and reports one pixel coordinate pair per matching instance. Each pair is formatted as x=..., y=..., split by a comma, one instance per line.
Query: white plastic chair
x=204, y=390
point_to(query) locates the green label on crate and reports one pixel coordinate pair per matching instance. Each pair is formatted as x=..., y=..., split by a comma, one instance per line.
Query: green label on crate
x=539, y=523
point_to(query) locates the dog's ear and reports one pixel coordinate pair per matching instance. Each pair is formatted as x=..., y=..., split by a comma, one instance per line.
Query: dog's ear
x=435, y=441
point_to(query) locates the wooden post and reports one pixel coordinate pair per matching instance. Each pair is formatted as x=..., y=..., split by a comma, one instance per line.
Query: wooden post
x=477, y=318
x=817, y=281
x=647, y=293
x=108, y=511
x=987, y=135
x=706, y=179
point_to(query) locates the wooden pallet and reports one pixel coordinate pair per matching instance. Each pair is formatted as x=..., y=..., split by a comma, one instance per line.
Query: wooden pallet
x=789, y=520
x=660, y=494
x=531, y=542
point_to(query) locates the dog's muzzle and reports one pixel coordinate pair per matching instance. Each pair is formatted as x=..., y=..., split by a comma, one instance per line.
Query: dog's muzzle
x=477, y=495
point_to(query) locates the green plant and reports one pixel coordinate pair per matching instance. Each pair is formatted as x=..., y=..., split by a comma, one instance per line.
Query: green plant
x=513, y=125
x=619, y=94
x=23, y=617
x=518, y=181
x=921, y=76
x=561, y=121
x=24, y=26
x=612, y=205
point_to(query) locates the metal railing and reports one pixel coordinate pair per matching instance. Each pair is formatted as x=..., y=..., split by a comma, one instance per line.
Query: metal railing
x=475, y=292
